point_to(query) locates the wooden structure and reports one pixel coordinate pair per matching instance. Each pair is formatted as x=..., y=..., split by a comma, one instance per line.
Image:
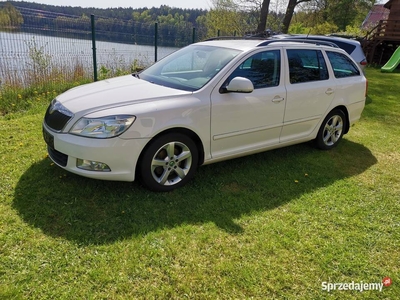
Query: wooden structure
x=384, y=38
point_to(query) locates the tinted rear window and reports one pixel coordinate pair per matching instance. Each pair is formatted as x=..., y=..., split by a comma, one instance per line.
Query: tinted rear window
x=306, y=65
x=342, y=65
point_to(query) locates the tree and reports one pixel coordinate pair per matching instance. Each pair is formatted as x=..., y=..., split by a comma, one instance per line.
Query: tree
x=345, y=12
x=341, y=13
x=289, y=13
x=14, y=19
x=263, y=16
x=228, y=17
x=4, y=19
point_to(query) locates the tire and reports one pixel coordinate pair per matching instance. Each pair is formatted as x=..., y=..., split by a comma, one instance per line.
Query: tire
x=332, y=130
x=169, y=162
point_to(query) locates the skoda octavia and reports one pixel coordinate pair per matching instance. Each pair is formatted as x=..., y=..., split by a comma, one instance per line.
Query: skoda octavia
x=208, y=102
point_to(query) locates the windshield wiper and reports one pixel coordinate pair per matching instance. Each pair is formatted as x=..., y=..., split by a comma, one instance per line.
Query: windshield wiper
x=136, y=74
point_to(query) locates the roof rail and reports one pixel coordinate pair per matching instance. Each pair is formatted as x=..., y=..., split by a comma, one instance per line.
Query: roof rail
x=267, y=41
x=305, y=41
x=255, y=36
x=216, y=38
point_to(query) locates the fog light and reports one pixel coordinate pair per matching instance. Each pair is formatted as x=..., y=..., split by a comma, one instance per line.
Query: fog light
x=90, y=165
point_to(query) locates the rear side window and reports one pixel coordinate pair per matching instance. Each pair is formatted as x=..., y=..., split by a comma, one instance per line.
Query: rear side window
x=306, y=65
x=342, y=65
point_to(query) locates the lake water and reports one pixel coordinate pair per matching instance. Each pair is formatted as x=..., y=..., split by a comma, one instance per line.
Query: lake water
x=18, y=49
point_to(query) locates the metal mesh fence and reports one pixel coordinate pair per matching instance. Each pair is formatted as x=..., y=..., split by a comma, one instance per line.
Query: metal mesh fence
x=33, y=54
x=51, y=47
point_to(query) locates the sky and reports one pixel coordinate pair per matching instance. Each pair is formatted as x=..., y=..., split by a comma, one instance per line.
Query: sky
x=204, y=4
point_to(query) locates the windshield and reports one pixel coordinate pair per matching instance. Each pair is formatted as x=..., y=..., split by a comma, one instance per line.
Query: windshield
x=189, y=68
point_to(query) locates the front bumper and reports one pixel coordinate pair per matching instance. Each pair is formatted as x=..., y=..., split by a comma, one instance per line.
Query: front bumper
x=119, y=154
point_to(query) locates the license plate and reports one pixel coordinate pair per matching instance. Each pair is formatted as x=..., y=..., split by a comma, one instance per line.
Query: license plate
x=48, y=138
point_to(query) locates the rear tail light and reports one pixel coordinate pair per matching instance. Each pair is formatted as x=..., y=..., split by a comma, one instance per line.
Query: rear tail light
x=363, y=62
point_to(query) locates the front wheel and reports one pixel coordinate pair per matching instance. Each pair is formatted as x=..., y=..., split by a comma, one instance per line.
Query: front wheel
x=332, y=130
x=169, y=162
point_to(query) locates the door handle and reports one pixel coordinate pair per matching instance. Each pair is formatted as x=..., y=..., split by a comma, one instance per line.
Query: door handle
x=329, y=92
x=278, y=99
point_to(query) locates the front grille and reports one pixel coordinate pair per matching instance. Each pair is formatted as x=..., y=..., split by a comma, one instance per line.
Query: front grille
x=55, y=119
x=58, y=157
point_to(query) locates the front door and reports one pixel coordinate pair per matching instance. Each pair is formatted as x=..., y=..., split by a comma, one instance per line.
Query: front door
x=242, y=122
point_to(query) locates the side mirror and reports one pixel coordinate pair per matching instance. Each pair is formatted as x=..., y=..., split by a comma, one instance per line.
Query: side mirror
x=239, y=85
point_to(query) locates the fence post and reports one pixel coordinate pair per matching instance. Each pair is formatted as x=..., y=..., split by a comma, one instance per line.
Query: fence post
x=155, y=41
x=218, y=32
x=94, y=49
x=194, y=35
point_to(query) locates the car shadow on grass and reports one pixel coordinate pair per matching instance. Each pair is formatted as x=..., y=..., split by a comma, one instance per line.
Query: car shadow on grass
x=89, y=211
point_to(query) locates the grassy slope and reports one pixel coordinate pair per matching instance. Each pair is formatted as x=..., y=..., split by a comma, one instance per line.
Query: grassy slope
x=272, y=225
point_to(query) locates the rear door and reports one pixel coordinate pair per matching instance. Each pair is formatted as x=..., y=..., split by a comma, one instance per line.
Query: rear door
x=309, y=92
x=353, y=84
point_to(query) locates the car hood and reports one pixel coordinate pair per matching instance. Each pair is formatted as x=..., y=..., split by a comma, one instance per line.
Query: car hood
x=115, y=92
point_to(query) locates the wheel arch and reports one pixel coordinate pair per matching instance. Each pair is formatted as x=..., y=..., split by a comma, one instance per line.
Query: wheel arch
x=189, y=133
x=346, y=113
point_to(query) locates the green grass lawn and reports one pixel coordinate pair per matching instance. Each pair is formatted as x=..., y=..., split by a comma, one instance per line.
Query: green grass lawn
x=272, y=225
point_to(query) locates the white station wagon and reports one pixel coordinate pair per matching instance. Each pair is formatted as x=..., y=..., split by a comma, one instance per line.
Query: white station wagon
x=208, y=102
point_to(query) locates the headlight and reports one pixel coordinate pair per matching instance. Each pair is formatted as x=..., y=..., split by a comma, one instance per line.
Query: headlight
x=102, y=128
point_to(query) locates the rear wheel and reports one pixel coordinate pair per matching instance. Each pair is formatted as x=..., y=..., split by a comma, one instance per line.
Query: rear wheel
x=169, y=162
x=332, y=130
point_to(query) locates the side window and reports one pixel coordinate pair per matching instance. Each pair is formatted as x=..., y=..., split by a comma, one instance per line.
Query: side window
x=306, y=65
x=263, y=69
x=342, y=65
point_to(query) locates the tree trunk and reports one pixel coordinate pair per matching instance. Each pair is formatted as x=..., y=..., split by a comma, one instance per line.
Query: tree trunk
x=263, y=16
x=288, y=15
